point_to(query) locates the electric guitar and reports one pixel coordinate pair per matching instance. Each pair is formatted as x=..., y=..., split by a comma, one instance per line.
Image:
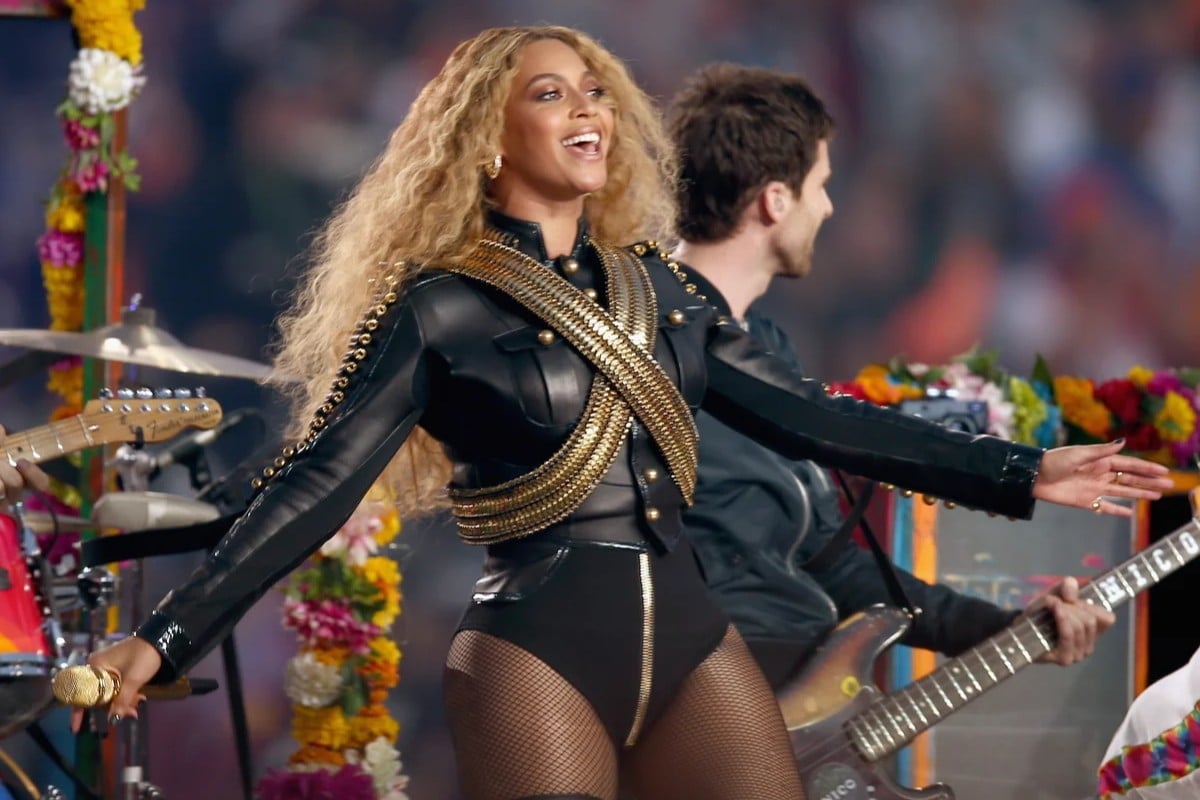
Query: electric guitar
x=132, y=415
x=841, y=725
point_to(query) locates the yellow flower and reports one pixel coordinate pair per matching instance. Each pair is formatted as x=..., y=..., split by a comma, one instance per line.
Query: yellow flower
x=1177, y=419
x=1080, y=407
x=325, y=727
x=381, y=570
x=1140, y=376
x=385, y=616
x=385, y=650
x=66, y=216
x=391, y=527
x=370, y=724
x=108, y=25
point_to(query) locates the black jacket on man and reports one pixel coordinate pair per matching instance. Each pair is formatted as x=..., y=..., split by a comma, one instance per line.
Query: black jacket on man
x=758, y=515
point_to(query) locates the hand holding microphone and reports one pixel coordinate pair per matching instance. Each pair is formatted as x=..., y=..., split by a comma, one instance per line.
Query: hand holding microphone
x=115, y=677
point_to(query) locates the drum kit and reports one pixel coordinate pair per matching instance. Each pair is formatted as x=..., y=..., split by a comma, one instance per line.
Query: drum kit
x=44, y=592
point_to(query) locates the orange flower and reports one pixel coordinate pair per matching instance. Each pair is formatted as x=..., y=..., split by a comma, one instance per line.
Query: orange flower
x=315, y=754
x=333, y=656
x=1080, y=406
x=325, y=727
x=879, y=389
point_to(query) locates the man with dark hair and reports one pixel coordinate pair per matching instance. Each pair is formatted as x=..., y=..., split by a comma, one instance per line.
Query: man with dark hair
x=754, y=150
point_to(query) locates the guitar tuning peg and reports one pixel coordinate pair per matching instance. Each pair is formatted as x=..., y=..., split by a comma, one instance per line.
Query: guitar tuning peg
x=163, y=394
x=183, y=394
x=124, y=394
x=201, y=391
x=106, y=393
x=145, y=393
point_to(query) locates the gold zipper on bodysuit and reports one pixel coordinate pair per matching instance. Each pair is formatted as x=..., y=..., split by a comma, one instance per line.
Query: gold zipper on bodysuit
x=644, y=686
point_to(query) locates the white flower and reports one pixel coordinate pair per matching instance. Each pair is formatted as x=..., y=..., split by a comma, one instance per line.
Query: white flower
x=101, y=82
x=354, y=541
x=309, y=683
x=381, y=761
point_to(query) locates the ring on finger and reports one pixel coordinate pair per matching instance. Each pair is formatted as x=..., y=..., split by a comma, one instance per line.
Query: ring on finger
x=114, y=719
x=1096, y=504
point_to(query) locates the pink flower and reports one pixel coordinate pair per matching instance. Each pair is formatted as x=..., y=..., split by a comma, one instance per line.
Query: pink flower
x=92, y=178
x=328, y=622
x=355, y=540
x=348, y=783
x=60, y=249
x=80, y=136
x=1164, y=382
x=1183, y=452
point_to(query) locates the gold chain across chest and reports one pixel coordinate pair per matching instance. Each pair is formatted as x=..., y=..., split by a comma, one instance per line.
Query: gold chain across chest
x=619, y=343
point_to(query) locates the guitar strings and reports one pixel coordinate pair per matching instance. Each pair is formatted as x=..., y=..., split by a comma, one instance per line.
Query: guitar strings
x=44, y=438
x=821, y=749
x=1040, y=625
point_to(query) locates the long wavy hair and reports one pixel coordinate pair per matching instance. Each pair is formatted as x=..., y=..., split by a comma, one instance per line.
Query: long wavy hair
x=423, y=201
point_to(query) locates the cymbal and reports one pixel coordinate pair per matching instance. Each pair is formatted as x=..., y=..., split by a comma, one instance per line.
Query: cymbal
x=136, y=340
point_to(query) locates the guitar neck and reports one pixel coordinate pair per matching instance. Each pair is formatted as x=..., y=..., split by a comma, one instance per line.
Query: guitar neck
x=48, y=441
x=895, y=720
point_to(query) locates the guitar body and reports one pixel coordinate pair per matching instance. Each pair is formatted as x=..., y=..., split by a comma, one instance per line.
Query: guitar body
x=835, y=686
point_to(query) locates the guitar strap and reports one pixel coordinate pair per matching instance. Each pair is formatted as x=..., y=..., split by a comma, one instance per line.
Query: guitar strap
x=837, y=544
x=828, y=555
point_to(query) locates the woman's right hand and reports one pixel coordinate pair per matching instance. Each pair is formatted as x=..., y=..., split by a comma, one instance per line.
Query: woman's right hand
x=135, y=662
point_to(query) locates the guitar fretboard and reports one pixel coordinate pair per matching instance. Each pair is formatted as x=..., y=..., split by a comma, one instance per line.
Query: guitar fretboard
x=48, y=441
x=893, y=721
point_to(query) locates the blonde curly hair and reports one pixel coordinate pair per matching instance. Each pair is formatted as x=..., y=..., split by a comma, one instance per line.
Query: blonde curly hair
x=423, y=202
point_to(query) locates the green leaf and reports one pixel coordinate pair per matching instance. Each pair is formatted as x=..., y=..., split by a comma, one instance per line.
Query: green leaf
x=133, y=181
x=1190, y=376
x=354, y=693
x=1041, y=372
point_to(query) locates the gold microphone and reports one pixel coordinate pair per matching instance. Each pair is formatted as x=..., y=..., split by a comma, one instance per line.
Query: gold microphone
x=87, y=686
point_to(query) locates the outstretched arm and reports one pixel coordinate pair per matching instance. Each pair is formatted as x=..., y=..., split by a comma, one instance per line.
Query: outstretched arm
x=763, y=397
x=305, y=503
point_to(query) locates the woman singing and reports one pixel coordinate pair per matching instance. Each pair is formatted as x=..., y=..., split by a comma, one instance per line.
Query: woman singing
x=475, y=284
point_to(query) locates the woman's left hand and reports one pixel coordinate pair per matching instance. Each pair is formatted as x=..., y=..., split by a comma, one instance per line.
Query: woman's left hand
x=1084, y=476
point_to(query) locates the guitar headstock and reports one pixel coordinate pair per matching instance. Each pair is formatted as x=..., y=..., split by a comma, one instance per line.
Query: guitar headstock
x=148, y=415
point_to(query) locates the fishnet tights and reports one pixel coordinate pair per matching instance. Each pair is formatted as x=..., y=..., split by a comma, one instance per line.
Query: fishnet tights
x=521, y=731
x=721, y=738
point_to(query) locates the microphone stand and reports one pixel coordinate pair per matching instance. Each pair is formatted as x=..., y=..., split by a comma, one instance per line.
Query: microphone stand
x=134, y=467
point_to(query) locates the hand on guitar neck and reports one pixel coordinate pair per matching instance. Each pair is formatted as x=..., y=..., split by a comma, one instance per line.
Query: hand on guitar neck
x=1077, y=624
x=15, y=479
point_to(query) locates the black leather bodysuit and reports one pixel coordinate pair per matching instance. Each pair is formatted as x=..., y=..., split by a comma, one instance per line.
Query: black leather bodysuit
x=471, y=366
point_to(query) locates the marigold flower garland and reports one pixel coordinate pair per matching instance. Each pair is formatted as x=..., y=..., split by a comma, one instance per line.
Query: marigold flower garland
x=342, y=605
x=104, y=78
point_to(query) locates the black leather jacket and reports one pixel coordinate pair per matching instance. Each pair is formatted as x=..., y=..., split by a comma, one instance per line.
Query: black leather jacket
x=466, y=362
x=758, y=516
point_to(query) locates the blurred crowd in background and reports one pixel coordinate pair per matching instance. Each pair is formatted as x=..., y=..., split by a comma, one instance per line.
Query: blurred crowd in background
x=1021, y=174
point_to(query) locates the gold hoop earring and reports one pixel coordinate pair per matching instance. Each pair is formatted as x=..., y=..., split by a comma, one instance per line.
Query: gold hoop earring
x=492, y=169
